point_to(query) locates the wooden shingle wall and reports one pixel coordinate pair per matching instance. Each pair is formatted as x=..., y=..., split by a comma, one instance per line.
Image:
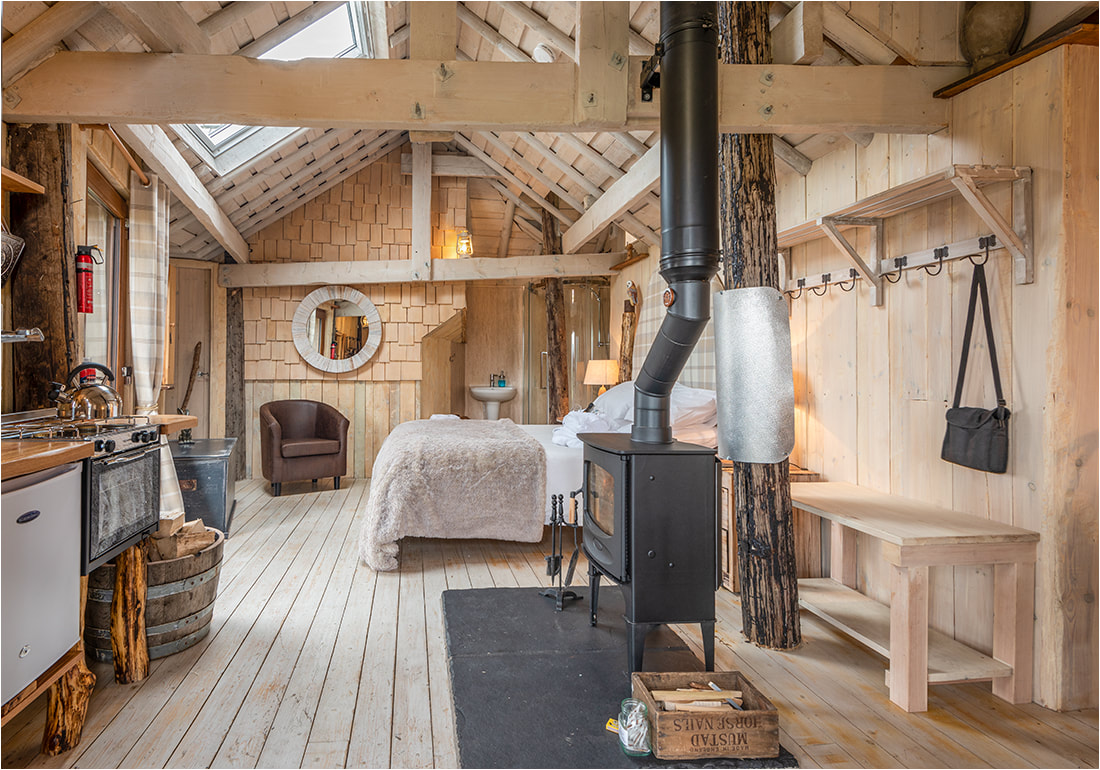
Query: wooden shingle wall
x=367, y=217
x=873, y=383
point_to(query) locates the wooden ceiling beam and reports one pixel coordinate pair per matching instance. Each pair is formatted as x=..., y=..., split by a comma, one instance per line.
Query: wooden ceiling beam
x=471, y=96
x=158, y=152
x=521, y=204
x=642, y=177
x=433, y=37
x=449, y=164
x=163, y=26
x=532, y=170
x=541, y=27
x=477, y=152
x=799, y=37
x=223, y=19
x=377, y=27
x=397, y=270
x=287, y=29
x=602, y=58
x=38, y=39
x=640, y=228
x=491, y=35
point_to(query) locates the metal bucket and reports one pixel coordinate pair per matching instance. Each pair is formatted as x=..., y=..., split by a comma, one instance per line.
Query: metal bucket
x=178, y=607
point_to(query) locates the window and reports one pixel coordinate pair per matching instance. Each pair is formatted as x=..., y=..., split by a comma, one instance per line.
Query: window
x=225, y=146
x=100, y=329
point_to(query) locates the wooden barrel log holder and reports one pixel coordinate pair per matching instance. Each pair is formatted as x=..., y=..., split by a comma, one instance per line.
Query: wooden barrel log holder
x=179, y=603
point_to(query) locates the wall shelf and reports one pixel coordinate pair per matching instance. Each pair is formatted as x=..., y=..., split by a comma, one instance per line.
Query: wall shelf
x=13, y=182
x=966, y=181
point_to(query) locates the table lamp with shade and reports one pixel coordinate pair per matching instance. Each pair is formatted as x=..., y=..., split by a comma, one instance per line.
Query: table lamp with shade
x=602, y=372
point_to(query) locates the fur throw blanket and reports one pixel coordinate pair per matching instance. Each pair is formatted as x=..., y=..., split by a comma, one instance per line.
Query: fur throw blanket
x=452, y=478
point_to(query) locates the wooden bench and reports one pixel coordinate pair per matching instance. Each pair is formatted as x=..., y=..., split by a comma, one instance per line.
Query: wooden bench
x=916, y=536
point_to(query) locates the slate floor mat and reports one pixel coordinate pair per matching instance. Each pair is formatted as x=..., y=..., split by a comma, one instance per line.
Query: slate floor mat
x=533, y=687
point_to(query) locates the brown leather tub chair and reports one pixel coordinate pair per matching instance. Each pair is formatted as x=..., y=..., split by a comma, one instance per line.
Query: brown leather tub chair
x=302, y=440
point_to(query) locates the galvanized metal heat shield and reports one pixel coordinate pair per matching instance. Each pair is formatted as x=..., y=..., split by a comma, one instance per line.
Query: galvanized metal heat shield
x=752, y=333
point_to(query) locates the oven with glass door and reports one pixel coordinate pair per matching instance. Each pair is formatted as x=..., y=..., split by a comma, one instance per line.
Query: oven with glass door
x=122, y=499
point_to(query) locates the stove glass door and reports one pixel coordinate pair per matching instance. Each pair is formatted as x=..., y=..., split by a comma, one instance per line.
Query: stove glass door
x=601, y=497
x=123, y=502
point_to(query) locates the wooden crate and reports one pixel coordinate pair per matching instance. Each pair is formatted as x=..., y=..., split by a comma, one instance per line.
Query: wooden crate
x=749, y=734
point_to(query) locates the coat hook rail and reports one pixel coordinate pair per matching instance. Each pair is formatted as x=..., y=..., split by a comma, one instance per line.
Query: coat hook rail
x=929, y=260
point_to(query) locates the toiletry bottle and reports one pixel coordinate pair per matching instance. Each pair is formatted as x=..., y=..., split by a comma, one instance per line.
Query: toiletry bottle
x=501, y=381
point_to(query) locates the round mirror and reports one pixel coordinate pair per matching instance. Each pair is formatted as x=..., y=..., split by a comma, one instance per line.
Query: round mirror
x=336, y=329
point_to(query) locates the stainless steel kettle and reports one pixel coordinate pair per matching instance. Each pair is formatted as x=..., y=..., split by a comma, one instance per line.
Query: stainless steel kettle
x=89, y=401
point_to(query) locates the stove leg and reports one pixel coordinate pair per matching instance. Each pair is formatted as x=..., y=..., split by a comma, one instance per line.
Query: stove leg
x=635, y=642
x=707, y=629
x=594, y=589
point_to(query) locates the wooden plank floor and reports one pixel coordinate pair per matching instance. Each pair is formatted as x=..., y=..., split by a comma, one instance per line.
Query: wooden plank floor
x=313, y=660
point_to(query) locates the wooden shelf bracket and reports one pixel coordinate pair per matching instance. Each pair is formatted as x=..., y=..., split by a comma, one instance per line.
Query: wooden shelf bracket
x=1017, y=237
x=967, y=181
x=870, y=272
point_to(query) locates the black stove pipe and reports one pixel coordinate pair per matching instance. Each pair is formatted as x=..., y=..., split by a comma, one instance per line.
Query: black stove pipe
x=690, y=237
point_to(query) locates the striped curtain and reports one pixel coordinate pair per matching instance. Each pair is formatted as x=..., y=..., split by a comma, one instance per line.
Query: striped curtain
x=148, y=310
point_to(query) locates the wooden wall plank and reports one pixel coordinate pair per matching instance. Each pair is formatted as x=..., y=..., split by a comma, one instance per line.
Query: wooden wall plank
x=905, y=355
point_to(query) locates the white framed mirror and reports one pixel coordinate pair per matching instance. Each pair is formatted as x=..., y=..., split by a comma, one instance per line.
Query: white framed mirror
x=336, y=329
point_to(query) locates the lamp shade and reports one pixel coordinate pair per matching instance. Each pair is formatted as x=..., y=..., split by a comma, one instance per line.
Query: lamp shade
x=601, y=372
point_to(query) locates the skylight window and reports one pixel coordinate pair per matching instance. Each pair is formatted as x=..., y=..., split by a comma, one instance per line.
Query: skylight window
x=335, y=35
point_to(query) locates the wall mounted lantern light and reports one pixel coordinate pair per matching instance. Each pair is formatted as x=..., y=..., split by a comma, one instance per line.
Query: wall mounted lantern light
x=465, y=245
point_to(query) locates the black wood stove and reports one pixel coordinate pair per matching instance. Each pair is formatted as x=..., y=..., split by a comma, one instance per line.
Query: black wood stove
x=650, y=526
x=650, y=504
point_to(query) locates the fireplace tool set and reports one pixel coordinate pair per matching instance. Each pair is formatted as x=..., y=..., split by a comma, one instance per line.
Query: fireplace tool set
x=559, y=593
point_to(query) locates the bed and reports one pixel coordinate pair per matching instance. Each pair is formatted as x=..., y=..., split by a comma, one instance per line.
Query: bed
x=495, y=479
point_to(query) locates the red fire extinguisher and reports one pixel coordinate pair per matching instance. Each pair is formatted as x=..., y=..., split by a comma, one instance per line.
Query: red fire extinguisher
x=84, y=282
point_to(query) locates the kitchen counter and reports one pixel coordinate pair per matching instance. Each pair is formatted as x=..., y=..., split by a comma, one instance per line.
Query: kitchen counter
x=18, y=458
x=173, y=423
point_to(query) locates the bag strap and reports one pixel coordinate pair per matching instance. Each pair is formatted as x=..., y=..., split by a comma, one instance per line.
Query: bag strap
x=978, y=284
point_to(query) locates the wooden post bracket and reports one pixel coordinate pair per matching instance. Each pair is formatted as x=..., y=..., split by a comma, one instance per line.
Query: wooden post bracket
x=1016, y=237
x=831, y=227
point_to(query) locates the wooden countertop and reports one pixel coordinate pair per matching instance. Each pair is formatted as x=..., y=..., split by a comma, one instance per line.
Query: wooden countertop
x=173, y=423
x=18, y=458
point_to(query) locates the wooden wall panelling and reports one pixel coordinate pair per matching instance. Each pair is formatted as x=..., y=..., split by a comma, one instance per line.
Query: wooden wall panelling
x=814, y=441
x=872, y=378
x=1037, y=129
x=1071, y=461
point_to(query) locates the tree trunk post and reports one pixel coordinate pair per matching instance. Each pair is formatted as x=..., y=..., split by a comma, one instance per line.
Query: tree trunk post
x=129, y=645
x=557, y=358
x=762, y=492
x=67, y=698
x=626, y=344
x=46, y=272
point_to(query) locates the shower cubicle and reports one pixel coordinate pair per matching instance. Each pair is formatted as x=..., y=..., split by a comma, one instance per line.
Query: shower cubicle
x=587, y=318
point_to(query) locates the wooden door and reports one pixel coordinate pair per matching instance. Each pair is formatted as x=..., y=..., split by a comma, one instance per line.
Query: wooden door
x=191, y=324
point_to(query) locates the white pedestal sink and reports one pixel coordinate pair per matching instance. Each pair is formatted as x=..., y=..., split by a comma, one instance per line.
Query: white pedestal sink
x=492, y=398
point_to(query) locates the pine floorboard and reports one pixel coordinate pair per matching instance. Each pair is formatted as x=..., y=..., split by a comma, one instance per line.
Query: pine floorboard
x=314, y=660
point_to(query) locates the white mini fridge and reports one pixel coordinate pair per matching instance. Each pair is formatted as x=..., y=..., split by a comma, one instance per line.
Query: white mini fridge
x=39, y=573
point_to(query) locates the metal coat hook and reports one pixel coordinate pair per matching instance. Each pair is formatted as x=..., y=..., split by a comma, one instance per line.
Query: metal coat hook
x=825, y=287
x=801, y=283
x=986, y=243
x=941, y=255
x=851, y=280
x=899, y=264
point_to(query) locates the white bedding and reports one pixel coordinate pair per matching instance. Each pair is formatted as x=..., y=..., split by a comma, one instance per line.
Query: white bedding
x=564, y=466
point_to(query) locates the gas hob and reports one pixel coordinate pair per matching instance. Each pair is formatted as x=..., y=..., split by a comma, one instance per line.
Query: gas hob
x=107, y=436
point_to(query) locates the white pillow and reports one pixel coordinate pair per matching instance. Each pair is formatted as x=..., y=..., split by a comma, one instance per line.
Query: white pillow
x=618, y=402
x=689, y=406
x=702, y=435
